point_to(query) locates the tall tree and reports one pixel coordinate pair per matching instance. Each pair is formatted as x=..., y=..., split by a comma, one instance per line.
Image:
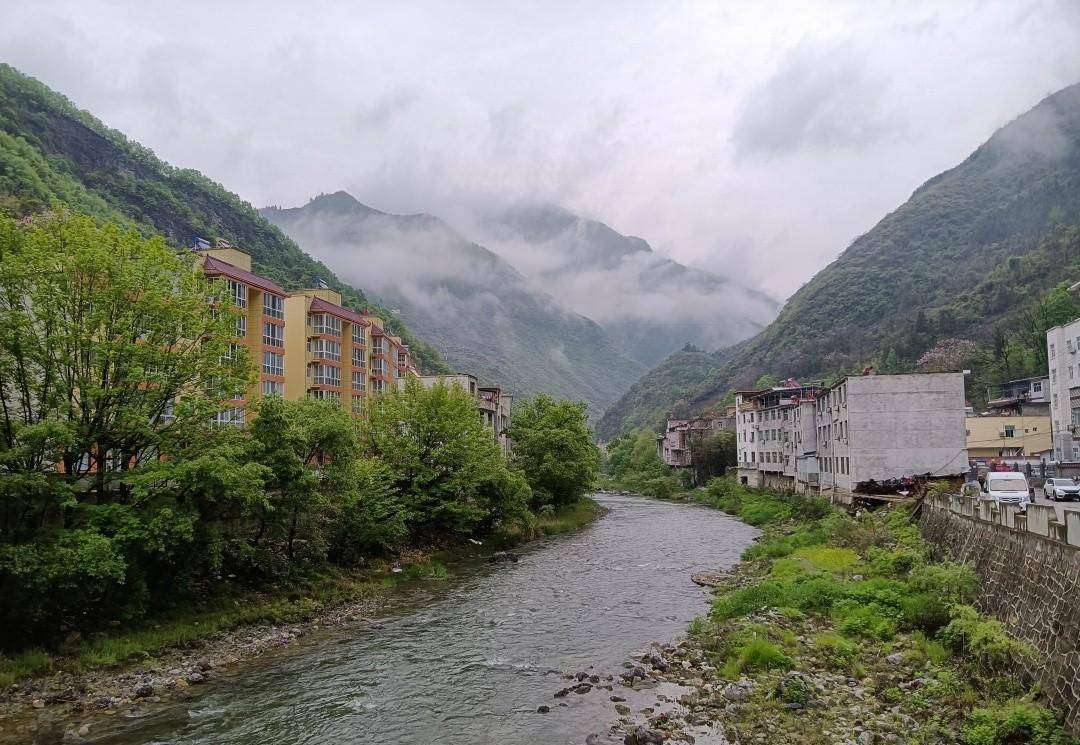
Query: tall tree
x=555, y=449
x=448, y=470
x=108, y=342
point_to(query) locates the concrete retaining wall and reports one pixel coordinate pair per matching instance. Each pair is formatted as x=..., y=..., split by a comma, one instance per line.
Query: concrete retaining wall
x=1029, y=567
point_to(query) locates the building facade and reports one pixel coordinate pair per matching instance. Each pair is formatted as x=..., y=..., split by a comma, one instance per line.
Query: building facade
x=305, y=343
x=492, y=403
x=673, y=446
x=261, y=326
x=775, y=436
x=884, y=427
x=1063, y=357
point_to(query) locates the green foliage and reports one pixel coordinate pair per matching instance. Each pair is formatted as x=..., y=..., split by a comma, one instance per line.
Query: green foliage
x=986, y=646
x=448, y=472
x=836, y=651
x=757, y=654
x=1015, y=722
x=554, y=449
x=51, y=154
x=634, y=465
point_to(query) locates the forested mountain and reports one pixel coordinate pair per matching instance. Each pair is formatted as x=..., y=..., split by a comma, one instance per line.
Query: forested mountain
x=964, y=257
x=650, y=305
x=54, y=153
x=476, y=308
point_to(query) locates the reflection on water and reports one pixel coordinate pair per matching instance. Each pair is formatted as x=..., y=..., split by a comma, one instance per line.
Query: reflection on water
x=470, y=659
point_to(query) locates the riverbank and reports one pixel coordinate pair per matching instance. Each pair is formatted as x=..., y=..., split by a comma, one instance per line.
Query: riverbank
x=842, y=629
x=169, y=656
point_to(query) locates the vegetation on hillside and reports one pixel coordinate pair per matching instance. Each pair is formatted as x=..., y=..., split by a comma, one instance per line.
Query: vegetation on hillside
x=123, y=500
x=53, y=153
x=966, y=257
x=841, y=628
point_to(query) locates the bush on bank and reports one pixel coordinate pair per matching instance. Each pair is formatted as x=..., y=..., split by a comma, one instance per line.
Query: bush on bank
x=824, y=590
x=121, y=500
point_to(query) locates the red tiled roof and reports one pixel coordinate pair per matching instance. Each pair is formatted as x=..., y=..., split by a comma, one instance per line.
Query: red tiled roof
x=318, y=305
x=216, y=267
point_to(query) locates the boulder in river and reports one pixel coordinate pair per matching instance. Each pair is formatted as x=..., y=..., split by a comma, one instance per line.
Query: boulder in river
x=503, y=556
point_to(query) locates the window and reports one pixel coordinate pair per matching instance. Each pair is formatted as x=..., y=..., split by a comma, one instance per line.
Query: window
x=321, y=395
x=377, y=347
x=358, y=404
x=325, y=375
x=241, y=326
x=358, y=357
x=273, y=335
x=358, y=335
x=238, y=293
x=324, y=349
x=273, y=306
x=273, y=388
x=1055, y=400
x=358, y=381
x=233, y=417
x=273, y=363
x=168, y=416
x=1052, y=352
x=1036, y=387
x=324, y=323
x=1070, y=372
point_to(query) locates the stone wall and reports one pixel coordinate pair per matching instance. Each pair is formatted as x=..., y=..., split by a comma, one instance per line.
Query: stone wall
x=1029, y=567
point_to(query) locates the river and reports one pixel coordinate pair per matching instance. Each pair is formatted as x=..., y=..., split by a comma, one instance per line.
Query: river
x=470, y=659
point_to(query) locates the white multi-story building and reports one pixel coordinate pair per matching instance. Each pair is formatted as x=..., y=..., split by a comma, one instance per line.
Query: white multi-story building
x=775, y=435
x=883, y=427
x=1063, y=356
x=866, y=428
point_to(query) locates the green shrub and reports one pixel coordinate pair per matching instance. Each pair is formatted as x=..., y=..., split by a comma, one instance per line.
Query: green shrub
x=953, y=583
x=757, y=654
x=869, y=620
x=989, y=650
x=925, y=611
x=1014, y=723
x=836, y=651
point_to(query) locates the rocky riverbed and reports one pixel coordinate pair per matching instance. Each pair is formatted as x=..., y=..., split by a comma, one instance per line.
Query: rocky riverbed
x=691, y=700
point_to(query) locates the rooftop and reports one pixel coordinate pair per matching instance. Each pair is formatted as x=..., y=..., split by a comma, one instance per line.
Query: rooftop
x=217, y=268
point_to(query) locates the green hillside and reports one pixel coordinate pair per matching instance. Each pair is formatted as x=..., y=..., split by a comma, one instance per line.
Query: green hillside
x=53, y=153
x=965, y=256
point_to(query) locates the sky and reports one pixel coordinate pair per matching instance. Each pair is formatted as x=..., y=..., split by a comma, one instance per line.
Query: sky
x=752, y=139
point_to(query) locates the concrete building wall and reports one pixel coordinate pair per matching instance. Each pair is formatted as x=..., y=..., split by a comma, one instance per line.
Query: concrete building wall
x=900, y=425
x=1063, y=355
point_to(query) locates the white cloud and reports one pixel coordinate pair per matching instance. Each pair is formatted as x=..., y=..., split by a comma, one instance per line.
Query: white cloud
x=754, y=139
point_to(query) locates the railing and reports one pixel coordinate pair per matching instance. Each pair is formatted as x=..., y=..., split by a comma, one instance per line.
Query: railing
x=1037, y=519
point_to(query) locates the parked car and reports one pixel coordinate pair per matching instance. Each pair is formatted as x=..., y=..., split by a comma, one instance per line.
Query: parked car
x=1059, y=489
x=1008, y=487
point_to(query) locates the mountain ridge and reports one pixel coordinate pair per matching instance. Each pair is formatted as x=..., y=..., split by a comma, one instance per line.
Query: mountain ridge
x=484, y=315
x=53, y=153
x=895, y=291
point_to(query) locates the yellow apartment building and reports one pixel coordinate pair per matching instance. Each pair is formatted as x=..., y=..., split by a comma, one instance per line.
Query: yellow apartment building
x=326, y=349
x=305, y=343
x=261, y=328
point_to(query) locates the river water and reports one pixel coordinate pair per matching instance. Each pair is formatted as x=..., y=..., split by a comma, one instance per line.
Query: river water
x=469, y=659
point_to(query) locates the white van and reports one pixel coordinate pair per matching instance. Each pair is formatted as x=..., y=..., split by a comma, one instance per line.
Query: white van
x=1008, y=487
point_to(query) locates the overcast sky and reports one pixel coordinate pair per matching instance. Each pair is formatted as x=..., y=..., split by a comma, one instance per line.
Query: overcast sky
x=756, y=139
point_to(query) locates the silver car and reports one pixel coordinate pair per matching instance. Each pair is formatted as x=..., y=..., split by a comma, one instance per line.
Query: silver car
x=1059, y=489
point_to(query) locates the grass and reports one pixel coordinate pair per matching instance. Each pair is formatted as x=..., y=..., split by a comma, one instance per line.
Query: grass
x=826, y=590
x=568, y=517
x=182, y=626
